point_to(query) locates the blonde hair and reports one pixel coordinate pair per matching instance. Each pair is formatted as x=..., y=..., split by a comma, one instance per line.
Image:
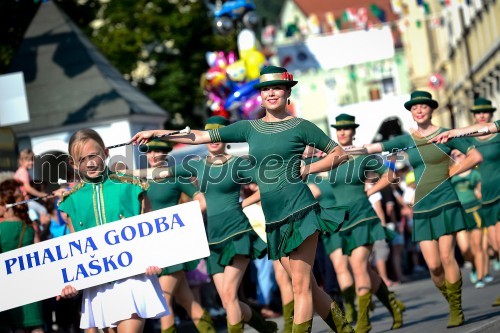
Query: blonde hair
x=80, y=138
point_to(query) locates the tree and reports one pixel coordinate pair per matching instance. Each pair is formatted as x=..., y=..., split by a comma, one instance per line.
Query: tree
x=160, y=47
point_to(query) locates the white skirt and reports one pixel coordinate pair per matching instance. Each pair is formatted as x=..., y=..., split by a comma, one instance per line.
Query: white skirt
x=107, y=304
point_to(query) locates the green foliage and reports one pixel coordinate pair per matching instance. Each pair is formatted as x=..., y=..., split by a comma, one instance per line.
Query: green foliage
x=170, y=39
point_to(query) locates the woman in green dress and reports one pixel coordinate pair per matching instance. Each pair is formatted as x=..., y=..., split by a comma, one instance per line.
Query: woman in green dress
x=486, y=141
x=437, y=212
x=16, y=231
x=162, y=194
x=364, y=227
x=293, y=217
x=321, y=188
x=468, y=187
x=232, y=241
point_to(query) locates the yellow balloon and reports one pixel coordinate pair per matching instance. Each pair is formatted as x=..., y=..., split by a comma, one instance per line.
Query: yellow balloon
x=236, y=72
x=254, y=60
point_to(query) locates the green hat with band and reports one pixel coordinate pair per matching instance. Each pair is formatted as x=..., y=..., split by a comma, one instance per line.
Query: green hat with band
x=482, y=104
x=274, y=76
x=215, y=122
x=421, y=97
x=155, y=144
x=344, y=121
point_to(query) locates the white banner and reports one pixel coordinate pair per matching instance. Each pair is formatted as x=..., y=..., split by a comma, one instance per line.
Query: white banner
x=102, y=254
x=338, y=50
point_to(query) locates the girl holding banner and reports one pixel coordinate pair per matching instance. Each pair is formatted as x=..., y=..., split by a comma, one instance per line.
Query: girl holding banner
x=293, y=217
x=16, y=230
x=120, y=305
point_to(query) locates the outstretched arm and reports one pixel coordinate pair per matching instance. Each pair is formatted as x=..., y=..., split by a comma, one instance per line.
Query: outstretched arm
x=371, y=148
x=195, y=137
x=480, y=129
x=473, y=158
x=329, y=162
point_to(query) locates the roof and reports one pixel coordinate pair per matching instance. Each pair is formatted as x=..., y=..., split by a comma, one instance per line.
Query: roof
x=68, y=81
x=320, y=7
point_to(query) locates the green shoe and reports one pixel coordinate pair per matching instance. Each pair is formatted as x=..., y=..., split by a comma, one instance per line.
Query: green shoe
x=171, y=329
x=455, y=301
x=288, y=317
x=236, y=328
x=349, y=295
x=337, y=321
x=261, y=325
x=205, y=325
x=496, y=302
x=395, y=306
x=305, y=327
x=363, y=325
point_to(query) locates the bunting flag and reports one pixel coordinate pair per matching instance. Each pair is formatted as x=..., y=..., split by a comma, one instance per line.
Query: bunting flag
x=397, y=6
x=378, y=12
x=357, y=16
x=427, y=8
x=420, y=2
x=331, y=22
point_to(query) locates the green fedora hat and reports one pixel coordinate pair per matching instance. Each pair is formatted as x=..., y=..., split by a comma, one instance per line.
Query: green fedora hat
x=421, y=97
x=215, y=122
x=274, y=76
x=482, y=104
x=155, y=144
x=344, y=121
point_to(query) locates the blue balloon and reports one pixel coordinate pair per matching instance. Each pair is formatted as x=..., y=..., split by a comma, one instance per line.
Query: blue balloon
x=240, y=95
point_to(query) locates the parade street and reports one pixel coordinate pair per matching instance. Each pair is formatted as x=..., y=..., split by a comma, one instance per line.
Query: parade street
x=427, y=311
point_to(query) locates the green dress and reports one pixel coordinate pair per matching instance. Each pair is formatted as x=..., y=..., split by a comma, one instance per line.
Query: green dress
x=292, y=214
x=29, y=315
x=490, y=190
x=465, y=186
x=348, y=185
x=437, y=210
x=166, y=193
x=228, y=229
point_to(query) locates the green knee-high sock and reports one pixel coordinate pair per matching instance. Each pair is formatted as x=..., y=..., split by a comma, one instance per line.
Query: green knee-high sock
x=304, y=327
x=205, y=325
x=261, y=325
x=288, y=317
x=391, y=303
x=337, y=321
x=455, y=301
x=349, y=295
x=443, y=291
x=171, y=329
x=364, y=325
x=236, y=328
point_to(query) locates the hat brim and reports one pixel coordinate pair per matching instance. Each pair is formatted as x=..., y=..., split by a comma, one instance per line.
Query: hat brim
x=484, y=110
x=261, y=85
x=432, y=103
x=345, y=126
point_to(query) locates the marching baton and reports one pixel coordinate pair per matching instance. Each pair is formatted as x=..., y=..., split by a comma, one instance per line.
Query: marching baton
x=48, y=195
x=187, y=130
x=484, y=130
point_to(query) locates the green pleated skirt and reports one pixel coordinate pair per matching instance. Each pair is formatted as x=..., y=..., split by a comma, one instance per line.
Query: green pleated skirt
x=491, y=213
x=445, y=220
x=331, y=242
x=230, y=234
x=186, y=266
x=292, y=215
x=473, y=213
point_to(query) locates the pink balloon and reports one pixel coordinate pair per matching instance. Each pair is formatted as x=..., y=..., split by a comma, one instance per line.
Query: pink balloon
x=251, y=106
x=220, y=60
x=231, y=58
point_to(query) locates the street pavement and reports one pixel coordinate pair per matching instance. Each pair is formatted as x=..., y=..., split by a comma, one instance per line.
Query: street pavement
x=427, y=311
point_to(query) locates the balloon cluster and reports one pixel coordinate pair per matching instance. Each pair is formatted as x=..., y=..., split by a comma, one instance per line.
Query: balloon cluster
x=229, y=81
